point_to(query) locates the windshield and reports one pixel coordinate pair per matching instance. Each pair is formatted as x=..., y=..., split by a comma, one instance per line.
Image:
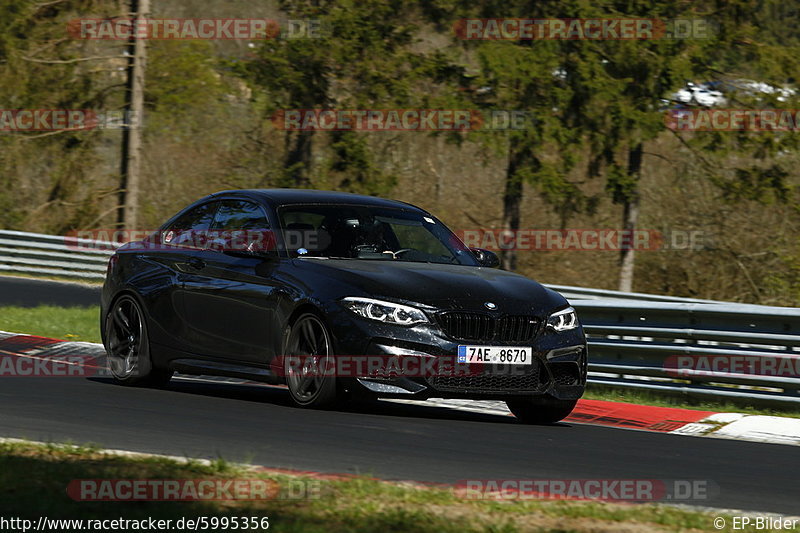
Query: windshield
x=370, y=233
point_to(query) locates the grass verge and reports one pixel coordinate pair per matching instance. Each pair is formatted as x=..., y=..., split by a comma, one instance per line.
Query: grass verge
x=34, y=477
x=68, y=323
x=51, y=277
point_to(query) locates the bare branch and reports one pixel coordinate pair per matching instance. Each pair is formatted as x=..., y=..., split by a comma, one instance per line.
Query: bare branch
x=697, y=154
x=48, y=4
x=747, y=276
x=668, y=160
x=106, y=213
x=69, y=61
x=49, y=44
x=472, y=219
x=49, y=133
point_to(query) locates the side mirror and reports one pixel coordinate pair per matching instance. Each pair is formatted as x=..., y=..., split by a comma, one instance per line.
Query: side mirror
x=486, y=258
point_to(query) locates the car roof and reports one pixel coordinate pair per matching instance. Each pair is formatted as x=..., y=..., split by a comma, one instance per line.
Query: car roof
x=282, y=197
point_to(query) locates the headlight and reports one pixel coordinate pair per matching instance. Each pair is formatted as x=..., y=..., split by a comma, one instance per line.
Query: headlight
x=563, y=320
x=387, y=312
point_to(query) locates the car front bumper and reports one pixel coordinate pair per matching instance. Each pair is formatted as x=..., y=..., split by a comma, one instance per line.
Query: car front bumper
x=558, y=370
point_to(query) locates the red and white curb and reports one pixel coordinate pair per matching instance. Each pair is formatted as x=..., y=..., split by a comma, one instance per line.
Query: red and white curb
x=756, y=428
x=738, y=426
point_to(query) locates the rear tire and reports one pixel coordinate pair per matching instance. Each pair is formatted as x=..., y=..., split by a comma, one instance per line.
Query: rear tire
x=308, y=361
x=543, y=410
x=127, y=346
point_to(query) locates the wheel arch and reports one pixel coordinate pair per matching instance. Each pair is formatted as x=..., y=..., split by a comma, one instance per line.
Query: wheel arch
x=301, y=309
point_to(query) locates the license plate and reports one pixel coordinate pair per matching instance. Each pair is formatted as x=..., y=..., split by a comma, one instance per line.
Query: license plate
x=495, y=355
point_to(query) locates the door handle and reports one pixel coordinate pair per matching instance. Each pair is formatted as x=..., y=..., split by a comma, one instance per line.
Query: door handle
x=197, y=263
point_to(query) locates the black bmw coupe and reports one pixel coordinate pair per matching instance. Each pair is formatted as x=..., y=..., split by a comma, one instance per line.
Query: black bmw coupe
x=337, y=296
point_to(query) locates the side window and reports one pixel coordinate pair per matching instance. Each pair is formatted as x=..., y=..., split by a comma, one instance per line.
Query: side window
x=239, y=215
x=189, y=229
x=241, y=226
x=301, y=230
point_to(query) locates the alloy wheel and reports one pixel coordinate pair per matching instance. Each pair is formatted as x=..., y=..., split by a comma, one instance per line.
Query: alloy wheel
x=125, y=338
x=308, y=363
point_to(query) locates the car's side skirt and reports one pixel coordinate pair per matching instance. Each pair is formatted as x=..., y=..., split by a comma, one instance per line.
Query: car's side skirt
x=231, y=370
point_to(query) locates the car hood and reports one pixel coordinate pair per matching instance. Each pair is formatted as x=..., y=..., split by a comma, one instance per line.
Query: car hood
x=437, y=285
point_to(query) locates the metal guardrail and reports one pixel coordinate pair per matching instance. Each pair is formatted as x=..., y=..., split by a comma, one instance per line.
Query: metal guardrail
x=727, y=351
x=36, y=253
x=585, y=293
x=635, y=339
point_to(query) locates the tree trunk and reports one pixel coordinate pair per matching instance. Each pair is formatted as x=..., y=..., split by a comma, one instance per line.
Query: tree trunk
x=298, y=158
x=128, y=213
x=630, y=219
x=512, y=199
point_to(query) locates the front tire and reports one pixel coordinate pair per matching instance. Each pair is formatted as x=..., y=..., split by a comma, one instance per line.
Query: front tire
x=543, y=410
x=127, y=346
x=309, y=363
